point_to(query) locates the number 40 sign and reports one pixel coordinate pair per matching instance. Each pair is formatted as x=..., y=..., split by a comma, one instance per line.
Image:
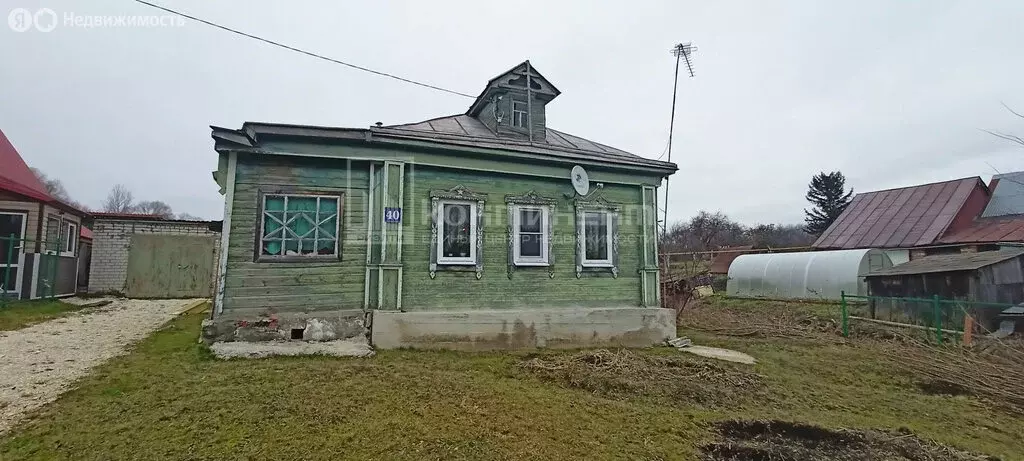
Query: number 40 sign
x=392, y=215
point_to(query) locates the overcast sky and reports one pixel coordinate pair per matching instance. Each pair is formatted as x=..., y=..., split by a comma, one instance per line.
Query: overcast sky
x=890, y=93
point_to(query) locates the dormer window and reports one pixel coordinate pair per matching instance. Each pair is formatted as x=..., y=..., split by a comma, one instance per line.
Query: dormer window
x=519, y=114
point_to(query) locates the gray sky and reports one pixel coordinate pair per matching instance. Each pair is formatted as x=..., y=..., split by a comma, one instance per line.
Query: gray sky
x=890, y=93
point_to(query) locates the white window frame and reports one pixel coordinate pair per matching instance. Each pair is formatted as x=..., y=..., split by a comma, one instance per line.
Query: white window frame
x=260, y=256
x=460, y=260
x=70, y=236
x=607, y=262
x=17, y=255
x=520, y=118
x=518, y=258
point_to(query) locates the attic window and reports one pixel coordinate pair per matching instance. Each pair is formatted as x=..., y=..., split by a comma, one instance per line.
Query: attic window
x=519, y=114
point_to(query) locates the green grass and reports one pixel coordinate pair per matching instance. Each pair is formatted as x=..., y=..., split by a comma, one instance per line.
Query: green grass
x=170, y=400
x=19, y=314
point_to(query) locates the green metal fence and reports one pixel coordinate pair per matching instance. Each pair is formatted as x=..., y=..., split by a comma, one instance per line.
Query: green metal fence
x=12, y=267
x=940, y=319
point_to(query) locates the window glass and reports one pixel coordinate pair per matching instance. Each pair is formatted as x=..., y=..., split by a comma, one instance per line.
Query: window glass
x=596, y=235
x=10, y=224
x=519, y=114
x=531, y=235
x=456, y=230
x=52, y=242
x=70, y=237
x=300, y=225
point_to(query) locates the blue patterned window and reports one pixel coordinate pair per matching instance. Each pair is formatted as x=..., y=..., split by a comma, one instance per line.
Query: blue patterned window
x=300, y=225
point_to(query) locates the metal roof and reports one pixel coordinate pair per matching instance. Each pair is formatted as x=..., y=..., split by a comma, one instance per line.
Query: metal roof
x=1007, y=195
x=990, y=230
x=949, y=263
x=15, y=176
x=899, y=218
x=471, y=131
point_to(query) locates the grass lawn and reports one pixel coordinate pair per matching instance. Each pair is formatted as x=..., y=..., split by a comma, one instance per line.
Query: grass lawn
x=170, y=400
x=19, y=314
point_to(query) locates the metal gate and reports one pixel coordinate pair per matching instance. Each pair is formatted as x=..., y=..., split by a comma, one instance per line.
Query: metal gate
x=170, y=266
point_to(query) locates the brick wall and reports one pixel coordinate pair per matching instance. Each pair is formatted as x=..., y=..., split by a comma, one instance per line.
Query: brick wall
x=112, y=240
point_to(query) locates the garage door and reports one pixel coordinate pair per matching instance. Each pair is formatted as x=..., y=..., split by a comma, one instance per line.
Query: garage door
x=170, y=266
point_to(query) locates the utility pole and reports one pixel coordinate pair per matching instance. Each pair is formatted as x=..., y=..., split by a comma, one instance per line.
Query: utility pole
x=682, y=52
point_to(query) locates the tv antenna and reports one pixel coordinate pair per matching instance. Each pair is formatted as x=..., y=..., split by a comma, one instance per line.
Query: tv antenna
x=683, y=53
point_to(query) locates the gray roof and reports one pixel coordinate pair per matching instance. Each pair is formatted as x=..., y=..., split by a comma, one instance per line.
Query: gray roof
x=1007, y=195
x=949, y=263
x=466, y=130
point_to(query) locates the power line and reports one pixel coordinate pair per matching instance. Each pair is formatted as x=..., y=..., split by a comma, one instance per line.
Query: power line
x=307, y=53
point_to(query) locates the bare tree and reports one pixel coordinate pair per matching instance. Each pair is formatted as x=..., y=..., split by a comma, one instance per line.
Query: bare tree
x=1007, y=136
x=53, y=185
x=56, y=189
x=119, y=200
x=706, y=231
x=154, y=207
x=189, y=217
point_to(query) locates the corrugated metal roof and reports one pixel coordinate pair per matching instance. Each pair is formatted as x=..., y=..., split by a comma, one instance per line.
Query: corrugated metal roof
x=86, y=233
x=949, y=263
x=898, y=218
x=1007, y=195
x=990, y=230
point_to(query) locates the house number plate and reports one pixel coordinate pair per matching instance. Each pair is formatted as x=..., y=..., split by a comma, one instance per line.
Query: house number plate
x=392, y=215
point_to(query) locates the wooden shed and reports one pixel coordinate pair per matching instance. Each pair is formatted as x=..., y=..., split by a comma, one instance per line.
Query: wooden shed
x=989, y=276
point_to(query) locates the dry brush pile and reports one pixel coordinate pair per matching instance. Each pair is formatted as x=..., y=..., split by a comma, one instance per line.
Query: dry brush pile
x=992, y=370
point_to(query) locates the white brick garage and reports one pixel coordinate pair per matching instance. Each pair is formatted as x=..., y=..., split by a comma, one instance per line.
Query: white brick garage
x=112, y=246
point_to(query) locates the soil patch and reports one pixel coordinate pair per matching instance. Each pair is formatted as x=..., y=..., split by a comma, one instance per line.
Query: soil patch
x=785, y=441
x=626, y=373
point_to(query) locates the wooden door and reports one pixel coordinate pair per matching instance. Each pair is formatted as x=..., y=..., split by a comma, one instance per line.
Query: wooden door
x=170, y=266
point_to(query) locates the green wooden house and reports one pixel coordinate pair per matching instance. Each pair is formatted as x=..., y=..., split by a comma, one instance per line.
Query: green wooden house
x=486, y=229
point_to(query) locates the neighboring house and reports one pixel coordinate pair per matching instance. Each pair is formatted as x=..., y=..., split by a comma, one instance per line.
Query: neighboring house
x=464, y=231
x=148, y=256
x=1001, y=222
x=908, y=222
x=44, y=258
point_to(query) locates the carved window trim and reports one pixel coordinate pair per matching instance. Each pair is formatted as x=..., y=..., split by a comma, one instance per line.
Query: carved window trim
x=458, y=193
x=594, y=202
x=513, y=204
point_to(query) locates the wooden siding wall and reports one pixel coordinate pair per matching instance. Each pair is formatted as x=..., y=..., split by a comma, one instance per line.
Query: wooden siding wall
x=48, y=212
x=529, y=286
x=296, y=286
x=9, y=202
x=1002, y=282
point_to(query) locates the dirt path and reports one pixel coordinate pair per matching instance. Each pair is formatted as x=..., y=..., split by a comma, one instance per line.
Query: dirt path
x=40, y=362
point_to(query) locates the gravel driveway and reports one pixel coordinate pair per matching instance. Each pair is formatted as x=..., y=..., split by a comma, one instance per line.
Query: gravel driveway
x=40, y=362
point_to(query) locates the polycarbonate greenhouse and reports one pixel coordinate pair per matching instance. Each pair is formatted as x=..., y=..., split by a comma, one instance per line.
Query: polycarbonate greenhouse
x=805, y=275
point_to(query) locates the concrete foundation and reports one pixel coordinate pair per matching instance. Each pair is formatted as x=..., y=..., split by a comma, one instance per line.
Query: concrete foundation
x=305, y=326
x=523, y=329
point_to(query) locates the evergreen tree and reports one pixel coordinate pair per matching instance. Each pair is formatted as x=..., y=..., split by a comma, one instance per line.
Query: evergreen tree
x=827, y=192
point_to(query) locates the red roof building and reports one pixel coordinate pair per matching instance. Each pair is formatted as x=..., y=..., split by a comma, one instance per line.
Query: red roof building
x=40, y=224
x=907, y=217
x=16, y=177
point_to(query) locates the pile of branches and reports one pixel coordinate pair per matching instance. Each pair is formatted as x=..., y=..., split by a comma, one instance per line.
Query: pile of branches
x=994, y=372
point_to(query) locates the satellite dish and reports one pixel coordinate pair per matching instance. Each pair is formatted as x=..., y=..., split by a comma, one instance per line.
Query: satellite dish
x=580, y=180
